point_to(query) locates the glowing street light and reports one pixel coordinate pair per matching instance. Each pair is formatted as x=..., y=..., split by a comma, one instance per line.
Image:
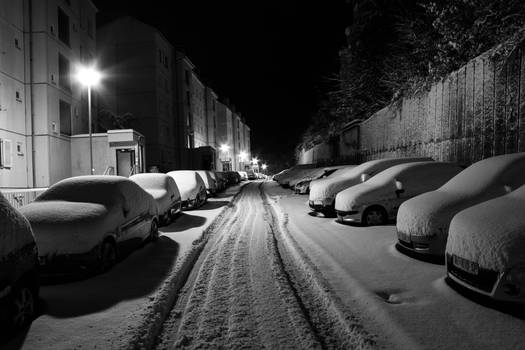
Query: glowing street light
x=89, y=77
x=255, y=160
x=224, y=148
x=243, y=156
x=264, y=166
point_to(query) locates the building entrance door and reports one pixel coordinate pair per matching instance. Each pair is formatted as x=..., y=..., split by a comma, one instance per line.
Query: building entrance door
x=125, y=162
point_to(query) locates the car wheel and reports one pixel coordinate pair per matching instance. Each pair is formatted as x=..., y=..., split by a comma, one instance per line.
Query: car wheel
x=108, y=256
x=374, y=216
x=23, y=306
x=154, y=231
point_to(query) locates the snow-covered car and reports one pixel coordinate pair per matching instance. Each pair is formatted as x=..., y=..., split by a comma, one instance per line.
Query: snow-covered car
x=209, y=181
x=377, y=200
x=423, y=221
x=251, y=175
x=323, y=191
x=302, y=185
x=277, y=176
x=19, y=283
x=89, y=222
x=486, y=247
x=233, y=177
x=295, y=173
x=191, y=187
x=164, y=190
x=222, y=180
x=244, y=175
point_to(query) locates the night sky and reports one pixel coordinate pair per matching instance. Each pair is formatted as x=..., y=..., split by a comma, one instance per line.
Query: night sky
x=271, y=58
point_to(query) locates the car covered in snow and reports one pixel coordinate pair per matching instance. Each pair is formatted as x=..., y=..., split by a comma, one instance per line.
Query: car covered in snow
x=244, y=175
x=251, y=175
x=222, y=180
x=209, y=181
x=294, y=173
x=423, y=221
x=377, y=200
x=89, y=222
x=191, y=187
x=323, y=191
x=19, y=282
x=486, y=247
x=233, y=177
x=302, y=184
x=164, y=190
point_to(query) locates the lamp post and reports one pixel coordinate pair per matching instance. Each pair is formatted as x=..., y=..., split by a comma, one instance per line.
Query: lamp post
x=255, y=164
x=89, y=77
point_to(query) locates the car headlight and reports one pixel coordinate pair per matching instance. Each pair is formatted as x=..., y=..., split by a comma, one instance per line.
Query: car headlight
x=513, y=281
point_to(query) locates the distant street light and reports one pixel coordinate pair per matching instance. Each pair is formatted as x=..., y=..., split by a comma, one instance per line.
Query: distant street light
x=242, y=156
x=224, y=148
x=264, y=166
x=255, y=160
x=89, y=77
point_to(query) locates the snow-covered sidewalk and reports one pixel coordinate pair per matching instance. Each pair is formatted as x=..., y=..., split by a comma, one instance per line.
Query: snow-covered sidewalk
x=405, y=302
x=122, y=308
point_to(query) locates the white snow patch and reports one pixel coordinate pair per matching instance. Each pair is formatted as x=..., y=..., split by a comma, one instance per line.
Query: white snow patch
x=327, y=189
x=189, y=182
x=430, y=213
x=415, y=178
x=491, y=233
x=15, y=232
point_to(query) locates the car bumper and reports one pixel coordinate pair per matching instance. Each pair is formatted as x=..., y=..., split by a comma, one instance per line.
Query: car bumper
x=426, y=245
x=353, y=216
x=319, y=206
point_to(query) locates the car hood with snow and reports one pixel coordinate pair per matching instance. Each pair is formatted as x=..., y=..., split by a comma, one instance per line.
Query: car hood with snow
x=325, y=190
x=15, y=231
x=295, y=172
x=74, y=215
x=314, y=173
x=161, y=186
x=430, y=214
x=492, y=233
x=410, y=178
x=189, y=182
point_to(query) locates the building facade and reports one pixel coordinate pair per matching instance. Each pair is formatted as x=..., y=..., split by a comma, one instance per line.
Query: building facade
x=138, y=63
x=41, y=105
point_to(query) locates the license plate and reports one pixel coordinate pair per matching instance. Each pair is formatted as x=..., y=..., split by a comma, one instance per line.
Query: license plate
x=465, y=265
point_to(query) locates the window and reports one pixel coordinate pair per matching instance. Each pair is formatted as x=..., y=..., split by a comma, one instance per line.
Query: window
x=17, y=44
x=17, y=96
x=19, y=149
x=63, y=26
x=5, y=153
x=188, y=98
x=64, y=80
x=65, y=118
x=187, y=77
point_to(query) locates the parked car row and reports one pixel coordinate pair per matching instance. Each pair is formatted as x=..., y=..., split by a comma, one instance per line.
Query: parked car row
x=88, y=223
x=468, y=218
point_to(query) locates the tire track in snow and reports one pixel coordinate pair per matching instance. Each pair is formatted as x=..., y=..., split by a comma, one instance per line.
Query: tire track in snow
x=238, y=295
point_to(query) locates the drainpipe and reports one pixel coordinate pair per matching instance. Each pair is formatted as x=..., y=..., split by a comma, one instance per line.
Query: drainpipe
x=30, y=29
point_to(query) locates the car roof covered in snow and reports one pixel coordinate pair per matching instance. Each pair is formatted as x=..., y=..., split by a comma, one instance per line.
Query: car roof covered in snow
x=491, y=233
x=209, y=180
x=153, y=181
x=15, y=231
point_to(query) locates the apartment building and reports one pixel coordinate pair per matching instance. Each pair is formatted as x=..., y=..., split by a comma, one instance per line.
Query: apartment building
x=139, y=64
x=224, y=137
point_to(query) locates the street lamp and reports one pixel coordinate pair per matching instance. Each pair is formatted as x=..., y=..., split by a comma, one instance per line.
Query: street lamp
x=264, y=166
x=224, y=148
x=89, y=77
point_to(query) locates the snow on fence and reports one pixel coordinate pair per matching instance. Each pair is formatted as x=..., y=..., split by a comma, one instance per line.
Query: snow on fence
x=20, y=197
x=475, y=112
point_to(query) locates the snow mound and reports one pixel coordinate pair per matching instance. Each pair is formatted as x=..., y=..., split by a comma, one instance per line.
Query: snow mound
x=189, y=182
x=209, y=179
x=75, y=214
x=491, y=233
x=430, y=214
x=326, y=189
x=415, y=178
x=161, y=186
x=15, y=232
